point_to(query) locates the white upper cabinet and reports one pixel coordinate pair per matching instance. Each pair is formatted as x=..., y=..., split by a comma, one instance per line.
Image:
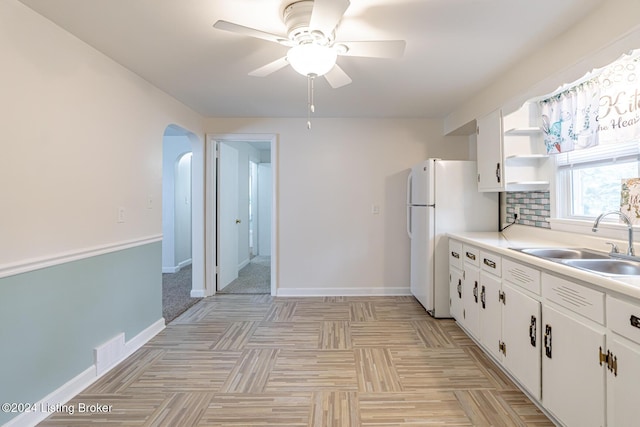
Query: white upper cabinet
x=490, y=158
x=511, y=153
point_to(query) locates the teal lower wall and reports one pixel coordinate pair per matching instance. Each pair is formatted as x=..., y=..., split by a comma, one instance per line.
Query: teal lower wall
x=51, y=319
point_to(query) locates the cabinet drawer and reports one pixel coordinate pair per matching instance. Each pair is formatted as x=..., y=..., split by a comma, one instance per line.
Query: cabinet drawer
x=491, y=262
x=623, y=317
x=455, y=254
x=471, y=254
x=579, y=299
x=521, y=275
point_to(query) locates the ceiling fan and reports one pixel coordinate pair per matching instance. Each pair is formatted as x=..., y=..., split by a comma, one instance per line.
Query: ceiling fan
x=311, y=26
x=311, y=39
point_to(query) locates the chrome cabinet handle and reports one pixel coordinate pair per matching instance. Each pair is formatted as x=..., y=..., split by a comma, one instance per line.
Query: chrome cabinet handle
x=532, y=331
x=475, y=291
x=634, y=321
x=547, y=341
x=489, y=263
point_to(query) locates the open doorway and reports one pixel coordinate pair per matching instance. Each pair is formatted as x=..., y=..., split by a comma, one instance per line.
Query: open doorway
x=240, y=237
x=244, y=217
x=177, y=274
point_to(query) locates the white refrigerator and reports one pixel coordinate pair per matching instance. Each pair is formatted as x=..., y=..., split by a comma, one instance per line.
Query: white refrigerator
x=442, y=196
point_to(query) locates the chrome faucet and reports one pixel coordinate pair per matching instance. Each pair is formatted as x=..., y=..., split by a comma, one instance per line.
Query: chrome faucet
x=626, y=220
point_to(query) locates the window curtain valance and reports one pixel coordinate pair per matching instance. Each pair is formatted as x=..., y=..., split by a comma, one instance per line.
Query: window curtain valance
x=603, y=108
x=570, y=119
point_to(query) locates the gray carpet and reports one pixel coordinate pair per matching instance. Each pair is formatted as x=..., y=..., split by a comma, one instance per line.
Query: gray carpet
x=254, y=278
x=176, y=294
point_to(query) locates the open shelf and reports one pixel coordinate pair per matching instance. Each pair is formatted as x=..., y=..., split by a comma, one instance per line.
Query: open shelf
x=523, y=131
x=527, y=186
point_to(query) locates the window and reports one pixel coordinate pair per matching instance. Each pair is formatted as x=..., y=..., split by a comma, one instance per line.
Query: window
x=590, y=181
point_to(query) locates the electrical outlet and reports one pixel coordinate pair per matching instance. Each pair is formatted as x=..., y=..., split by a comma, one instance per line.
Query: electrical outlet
x=516, y=211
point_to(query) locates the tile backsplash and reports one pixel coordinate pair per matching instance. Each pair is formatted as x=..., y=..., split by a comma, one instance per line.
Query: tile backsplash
x=534, y=206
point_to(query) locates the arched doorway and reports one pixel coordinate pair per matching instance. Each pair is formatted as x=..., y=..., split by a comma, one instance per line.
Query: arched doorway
x=180, y=251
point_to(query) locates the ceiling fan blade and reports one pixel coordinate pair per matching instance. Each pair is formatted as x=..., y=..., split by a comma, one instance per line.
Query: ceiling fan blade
x=374, y=49
x=271, y=67
x=337, y=77
x=326, y=14
x=251, y=32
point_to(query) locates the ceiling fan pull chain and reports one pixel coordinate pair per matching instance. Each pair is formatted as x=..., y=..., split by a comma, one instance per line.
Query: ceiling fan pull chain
x=312, y=104
x=310, y=107
x=309, y=102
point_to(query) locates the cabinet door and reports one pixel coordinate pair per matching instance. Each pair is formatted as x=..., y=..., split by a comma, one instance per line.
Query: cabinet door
x=623, y=382
x=521, y=337
x=489, y=142
x=455, y=293
x=470, y=299
x=574, y=387
x=490, y=313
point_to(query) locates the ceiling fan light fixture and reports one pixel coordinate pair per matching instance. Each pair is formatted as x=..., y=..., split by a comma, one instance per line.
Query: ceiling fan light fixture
x=312, y=59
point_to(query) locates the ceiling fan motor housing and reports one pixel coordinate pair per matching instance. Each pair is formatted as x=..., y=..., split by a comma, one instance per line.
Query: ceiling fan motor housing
x=296, y=18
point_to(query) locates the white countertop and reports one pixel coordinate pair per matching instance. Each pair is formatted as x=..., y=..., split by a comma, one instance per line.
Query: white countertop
x=530, y=237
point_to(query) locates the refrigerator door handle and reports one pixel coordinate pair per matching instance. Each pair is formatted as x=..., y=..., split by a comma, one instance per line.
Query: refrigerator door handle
x=409, y=205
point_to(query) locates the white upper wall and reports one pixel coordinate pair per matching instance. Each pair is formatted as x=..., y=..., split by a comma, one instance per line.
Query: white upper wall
x=607, y=33
x=328, y=179
x=82, y=137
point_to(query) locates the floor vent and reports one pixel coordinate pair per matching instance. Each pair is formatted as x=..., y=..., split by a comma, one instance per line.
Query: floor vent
x=109, y=353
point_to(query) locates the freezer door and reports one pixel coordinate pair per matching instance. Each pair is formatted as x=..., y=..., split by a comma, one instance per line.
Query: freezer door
x=422, y=255
x=418, y=184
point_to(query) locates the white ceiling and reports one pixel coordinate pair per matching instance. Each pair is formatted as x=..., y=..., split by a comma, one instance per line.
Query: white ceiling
x=454, y=48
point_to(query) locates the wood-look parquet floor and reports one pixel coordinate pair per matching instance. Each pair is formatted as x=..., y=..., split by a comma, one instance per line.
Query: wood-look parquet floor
x=256, y=360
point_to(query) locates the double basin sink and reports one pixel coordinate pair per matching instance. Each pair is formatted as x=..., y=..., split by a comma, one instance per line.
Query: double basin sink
x=586, y=259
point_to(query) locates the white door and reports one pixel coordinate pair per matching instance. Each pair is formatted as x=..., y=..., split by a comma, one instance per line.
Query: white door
x=418, y=184
x=622, y=383
x=419, y=253
x=471, y=299
x=264, y=209
x=455, y=293
x=228, y=215
x=490, y=313
x=489, y=142
x=572, y=376
x=521, y=336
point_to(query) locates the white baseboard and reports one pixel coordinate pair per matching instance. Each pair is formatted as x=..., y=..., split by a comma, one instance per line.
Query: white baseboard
x=343, y=292
x=197, y=293
x=80, y=382
x=243, y=264
x=175, y=268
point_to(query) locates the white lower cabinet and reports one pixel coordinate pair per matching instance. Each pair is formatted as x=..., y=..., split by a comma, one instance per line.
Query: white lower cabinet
x=470, y=299
x=456, y=265
x=574, y=337
x=521, y=337
x=623, y=363
x=553, y=335
x=491, y=314
x=572, y=376
x=455, y=292
x=623, y=380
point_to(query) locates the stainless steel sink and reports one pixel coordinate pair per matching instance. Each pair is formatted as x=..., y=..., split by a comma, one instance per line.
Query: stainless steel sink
x=563, y=253
x=613, y=267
